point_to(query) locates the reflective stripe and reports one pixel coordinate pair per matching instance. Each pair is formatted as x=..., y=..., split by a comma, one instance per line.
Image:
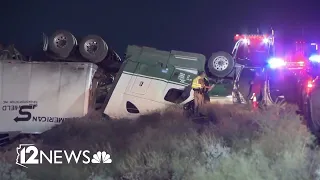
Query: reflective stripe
x=195, y=83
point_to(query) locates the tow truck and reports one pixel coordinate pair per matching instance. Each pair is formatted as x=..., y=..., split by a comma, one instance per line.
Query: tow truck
x=77, y=77
x=232, y=73
x=251, y=54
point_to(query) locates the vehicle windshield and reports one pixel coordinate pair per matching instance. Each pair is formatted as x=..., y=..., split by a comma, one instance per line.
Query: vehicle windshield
x=258, y=54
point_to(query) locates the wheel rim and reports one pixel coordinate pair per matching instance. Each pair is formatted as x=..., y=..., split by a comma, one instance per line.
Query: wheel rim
x=220, y=63
x=91, y=46
x=60, y=41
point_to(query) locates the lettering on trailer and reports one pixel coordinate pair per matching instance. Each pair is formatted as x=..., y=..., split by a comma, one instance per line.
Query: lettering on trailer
x=50, y=119
x=15, y=105
x=24, y=114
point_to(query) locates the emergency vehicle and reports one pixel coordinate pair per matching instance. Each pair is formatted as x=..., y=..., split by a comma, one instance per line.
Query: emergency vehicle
x=294, y=74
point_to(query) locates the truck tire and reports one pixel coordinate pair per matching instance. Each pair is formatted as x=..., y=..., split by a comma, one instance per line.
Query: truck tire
x=220, y=64
x=314, y=111
x=93, y=48
x=62, y=43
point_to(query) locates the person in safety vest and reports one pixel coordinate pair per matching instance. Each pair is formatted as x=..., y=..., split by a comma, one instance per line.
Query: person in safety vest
x=198, y=86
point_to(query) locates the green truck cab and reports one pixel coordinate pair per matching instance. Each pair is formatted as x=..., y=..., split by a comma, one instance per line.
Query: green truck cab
x=151, y=79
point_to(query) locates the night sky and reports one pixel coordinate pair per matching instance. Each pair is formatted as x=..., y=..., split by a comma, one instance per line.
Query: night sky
x=196, y=26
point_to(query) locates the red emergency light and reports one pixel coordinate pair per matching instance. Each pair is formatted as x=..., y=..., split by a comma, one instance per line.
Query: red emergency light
x=310, y=84
x=253, y=38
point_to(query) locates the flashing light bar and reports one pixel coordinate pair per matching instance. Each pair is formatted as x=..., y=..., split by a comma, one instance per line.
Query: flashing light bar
x=247, y=39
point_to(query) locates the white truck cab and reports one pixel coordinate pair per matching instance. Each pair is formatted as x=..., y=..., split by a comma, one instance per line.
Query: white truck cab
x=151, y=79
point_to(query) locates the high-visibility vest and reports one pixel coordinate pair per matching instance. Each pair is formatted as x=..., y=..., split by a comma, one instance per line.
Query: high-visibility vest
x=195, y=83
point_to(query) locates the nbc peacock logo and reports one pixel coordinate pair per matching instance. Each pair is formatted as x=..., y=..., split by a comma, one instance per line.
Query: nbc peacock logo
x=101, y=157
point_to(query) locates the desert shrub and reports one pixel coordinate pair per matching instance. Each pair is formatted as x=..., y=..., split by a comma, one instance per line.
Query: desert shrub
x=9, y=173
x=231, y=142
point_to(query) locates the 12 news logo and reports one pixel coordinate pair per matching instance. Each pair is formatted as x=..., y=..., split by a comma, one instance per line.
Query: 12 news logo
x=28, y=154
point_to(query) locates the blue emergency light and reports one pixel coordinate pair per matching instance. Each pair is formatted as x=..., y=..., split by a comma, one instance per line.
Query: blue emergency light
x=315, y=58
x=275, y=63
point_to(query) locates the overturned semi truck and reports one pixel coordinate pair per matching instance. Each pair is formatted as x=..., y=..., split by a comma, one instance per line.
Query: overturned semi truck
x=77, y=77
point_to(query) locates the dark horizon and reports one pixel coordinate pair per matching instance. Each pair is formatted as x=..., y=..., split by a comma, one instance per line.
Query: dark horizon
x=202, y=27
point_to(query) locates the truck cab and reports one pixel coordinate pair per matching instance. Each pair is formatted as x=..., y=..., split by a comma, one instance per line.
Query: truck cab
x=151, y=79
x=253, y=49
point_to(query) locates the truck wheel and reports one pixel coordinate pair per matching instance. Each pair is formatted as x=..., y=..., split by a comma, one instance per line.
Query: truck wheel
x=314, y=111
x=61, y=43
x=220, y=64
x=93, y=48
